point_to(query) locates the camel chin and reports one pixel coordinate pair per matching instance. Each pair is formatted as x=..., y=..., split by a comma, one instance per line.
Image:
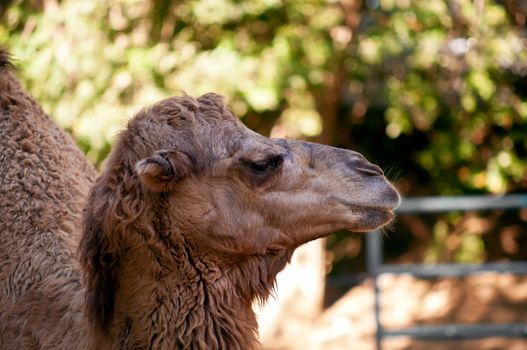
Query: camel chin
x=370, y=219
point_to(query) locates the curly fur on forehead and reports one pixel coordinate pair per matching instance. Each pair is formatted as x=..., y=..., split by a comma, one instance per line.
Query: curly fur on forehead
x=185, y=110
x=180, y=122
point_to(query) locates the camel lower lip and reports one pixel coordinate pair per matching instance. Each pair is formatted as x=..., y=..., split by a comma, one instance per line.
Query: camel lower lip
x=370, y=218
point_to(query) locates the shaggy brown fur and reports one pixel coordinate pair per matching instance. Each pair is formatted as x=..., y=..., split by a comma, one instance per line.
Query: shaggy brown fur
x=44, y=180
x=189, y=223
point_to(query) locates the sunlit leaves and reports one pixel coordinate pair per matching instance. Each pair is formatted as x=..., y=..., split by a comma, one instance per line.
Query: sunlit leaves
x=216, y=11
x=457, y=238
x=481, y=83
x=300, y=118
x=370, y=51
x=452, y=87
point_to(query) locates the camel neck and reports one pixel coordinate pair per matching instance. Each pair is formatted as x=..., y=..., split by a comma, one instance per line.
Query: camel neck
x=178, y=300
x=172, y=291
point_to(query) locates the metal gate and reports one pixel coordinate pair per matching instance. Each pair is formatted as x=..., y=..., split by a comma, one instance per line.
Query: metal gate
x=428, y=205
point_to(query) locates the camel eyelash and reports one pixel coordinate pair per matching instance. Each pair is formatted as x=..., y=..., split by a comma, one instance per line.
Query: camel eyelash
x=261, y=167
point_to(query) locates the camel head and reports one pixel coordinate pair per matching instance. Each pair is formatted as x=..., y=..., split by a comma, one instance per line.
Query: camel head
x=189, y=173
x=237, y=192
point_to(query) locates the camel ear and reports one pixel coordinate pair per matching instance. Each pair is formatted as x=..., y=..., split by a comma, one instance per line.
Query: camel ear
x=164, y=169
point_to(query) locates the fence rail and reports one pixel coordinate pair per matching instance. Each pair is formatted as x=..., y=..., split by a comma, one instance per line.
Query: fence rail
x=428, y=205
x=461, y=331
x=454, y=270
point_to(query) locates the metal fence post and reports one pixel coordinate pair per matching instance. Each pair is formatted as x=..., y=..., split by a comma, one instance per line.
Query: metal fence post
x=374, y=257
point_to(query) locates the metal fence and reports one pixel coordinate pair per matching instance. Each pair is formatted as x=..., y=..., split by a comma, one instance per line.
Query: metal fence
x=428, y=205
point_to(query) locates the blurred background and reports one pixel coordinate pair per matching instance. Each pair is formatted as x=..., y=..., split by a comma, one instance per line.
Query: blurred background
x=434, y=91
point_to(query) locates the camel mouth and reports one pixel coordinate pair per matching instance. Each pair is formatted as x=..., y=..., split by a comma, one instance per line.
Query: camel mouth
x=366, y=218
x=387, y=208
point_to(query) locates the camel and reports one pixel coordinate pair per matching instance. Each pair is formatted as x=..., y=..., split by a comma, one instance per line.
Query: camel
x=189, y=222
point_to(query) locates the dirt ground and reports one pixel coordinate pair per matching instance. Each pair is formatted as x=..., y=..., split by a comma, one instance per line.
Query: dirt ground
x=407, y=301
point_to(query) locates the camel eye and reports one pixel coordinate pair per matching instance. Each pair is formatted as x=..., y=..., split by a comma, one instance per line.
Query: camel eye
x=268, y=165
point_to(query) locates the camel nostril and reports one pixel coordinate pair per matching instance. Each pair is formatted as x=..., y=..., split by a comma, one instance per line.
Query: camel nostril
x=364, y=167
x=370, y=170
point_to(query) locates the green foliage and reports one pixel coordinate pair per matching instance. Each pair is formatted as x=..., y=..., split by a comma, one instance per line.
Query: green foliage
x=448, y=75
x=92, y=64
